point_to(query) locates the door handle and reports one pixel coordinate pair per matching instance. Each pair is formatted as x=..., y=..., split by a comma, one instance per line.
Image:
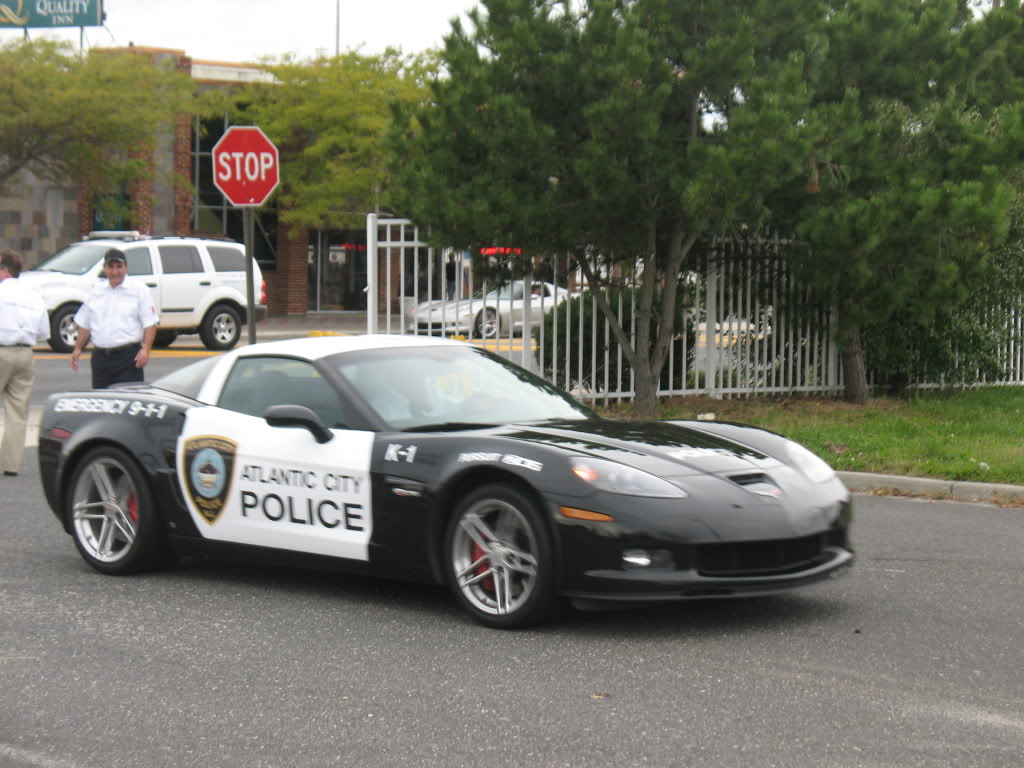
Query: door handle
x=204, y=282
x=151, y=285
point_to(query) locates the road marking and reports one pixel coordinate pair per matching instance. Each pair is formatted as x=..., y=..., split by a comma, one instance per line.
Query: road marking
x=34, y=758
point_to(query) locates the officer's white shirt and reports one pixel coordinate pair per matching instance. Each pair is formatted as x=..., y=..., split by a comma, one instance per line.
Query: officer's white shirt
x=117, y=316
x=23, y=318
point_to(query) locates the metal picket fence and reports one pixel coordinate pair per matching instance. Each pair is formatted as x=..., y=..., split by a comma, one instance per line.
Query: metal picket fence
x=748, y=327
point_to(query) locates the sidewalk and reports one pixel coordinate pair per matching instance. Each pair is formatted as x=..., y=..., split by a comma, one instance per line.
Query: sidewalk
x=296, y=326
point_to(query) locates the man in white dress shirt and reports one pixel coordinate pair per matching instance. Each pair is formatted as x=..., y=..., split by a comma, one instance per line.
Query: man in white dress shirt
x=120, y=318
x=23, y=322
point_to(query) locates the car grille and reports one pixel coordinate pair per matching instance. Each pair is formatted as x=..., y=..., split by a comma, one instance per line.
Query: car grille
x=761, y=558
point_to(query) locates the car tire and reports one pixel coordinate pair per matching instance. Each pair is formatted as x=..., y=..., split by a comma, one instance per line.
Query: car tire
x=63, y=331
x=221, y=328
x=111, y=514
x=499, y=558
x=164, y=339
x=487, y=324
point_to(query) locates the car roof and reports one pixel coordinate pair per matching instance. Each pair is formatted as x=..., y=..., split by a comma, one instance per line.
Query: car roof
x=316, y=347
x=128, y=241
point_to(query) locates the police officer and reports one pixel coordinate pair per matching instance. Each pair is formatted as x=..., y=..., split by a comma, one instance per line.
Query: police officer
x=23, y=322
x=120, y=318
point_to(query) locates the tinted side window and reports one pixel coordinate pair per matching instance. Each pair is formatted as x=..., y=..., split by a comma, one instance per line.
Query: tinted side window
x=227, y=259
x=180, y=258
x=256, y=383
x=139, y=261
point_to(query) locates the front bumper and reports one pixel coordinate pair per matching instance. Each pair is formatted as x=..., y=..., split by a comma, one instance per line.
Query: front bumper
x=690, y=584
x=757, y=550
x=438, y=327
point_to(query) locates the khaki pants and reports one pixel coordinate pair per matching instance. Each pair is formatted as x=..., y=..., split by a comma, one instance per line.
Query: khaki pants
x=16, y=384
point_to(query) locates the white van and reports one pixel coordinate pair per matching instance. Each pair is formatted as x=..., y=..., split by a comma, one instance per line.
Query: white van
x=198, y=285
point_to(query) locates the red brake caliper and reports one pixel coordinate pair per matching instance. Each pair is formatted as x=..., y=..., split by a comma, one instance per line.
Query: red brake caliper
x=133, y=509
x=475, y=554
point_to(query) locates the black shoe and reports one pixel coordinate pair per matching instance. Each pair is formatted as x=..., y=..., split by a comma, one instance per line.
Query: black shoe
x=10, y=474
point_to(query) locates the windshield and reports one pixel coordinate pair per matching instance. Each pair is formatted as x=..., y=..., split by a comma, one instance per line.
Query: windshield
x=75, y=259
x=413, y=387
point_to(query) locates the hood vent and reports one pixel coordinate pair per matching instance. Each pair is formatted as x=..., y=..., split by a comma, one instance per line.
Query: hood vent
x=757, y=482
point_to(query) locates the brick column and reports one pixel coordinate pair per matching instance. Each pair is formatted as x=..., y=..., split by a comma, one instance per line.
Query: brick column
x=141, y=193
x=288, y=285
x=183, y=163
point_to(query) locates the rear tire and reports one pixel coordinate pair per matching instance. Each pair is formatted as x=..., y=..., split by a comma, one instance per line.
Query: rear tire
x=499, y=558
x=112, y=516
x=221, y=328
x=487, y=324
x=63, y=331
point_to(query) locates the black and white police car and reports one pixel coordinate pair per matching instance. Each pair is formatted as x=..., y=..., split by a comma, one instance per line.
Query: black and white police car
x=435, y=461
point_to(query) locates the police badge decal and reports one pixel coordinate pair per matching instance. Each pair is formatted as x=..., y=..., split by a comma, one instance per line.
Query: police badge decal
x=209, y=461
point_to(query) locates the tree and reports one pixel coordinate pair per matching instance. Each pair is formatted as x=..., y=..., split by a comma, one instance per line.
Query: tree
x=618, y=131
x=328, y=117
x=83, y=118
x=903, y=199
x=964, y=341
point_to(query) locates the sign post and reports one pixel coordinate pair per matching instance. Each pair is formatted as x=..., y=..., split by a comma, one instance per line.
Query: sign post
x=246, y=171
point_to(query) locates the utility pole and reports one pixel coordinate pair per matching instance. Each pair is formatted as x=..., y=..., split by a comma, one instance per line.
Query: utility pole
x=337, y=27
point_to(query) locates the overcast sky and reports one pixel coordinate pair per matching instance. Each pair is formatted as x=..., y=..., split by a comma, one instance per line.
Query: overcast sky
x=244, y=30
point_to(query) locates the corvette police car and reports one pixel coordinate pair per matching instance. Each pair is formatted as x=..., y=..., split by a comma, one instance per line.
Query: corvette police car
x=432, y=460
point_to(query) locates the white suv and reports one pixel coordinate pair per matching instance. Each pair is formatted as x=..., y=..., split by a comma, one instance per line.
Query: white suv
x=198, y=285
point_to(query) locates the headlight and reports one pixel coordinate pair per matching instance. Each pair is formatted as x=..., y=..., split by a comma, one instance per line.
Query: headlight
x=618, y=478
x=816, y=469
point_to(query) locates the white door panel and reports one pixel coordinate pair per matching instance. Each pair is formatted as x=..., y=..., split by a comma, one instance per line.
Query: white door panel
x=243, y=483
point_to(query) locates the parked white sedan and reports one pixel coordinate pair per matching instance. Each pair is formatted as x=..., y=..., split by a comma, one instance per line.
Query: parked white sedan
x=488, y=316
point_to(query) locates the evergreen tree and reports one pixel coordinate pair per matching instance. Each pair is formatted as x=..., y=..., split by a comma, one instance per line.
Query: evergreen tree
x=616, y=131
x=905, y=196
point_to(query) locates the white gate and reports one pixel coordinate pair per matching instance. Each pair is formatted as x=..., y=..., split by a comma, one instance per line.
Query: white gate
x=748, y=327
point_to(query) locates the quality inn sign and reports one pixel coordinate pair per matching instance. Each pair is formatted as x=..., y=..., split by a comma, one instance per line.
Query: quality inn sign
x=50, y=13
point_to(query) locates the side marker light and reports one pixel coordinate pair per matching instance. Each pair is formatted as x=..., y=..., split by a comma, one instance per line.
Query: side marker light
x=584, y=514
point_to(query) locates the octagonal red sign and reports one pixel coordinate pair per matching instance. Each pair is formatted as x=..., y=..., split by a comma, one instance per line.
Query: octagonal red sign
x=245, y=165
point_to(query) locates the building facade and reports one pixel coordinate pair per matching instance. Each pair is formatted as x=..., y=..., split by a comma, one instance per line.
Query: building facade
x=306, y=270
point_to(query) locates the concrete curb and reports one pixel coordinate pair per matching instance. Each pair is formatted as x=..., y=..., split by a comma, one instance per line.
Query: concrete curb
x=860, y=482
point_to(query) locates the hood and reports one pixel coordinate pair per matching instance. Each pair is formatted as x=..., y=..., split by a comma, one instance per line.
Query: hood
x=664, y=449
x=451, y=306
x=40, y=281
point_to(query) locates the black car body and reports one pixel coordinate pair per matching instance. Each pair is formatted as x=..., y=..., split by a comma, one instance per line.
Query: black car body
x=432, y=460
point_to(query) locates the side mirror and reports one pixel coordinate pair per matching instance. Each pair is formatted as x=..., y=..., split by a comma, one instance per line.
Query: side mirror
x=298, y=416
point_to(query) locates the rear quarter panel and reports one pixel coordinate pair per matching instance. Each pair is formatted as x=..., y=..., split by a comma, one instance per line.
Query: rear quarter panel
x=142, y=422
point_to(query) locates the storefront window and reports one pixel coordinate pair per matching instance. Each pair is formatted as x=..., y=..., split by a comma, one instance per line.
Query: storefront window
x=337, y=270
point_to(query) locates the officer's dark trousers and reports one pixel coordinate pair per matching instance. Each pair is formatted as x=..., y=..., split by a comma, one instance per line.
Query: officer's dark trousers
x=115, y=366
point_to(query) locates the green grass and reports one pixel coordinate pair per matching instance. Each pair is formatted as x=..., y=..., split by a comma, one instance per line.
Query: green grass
x=970, y=435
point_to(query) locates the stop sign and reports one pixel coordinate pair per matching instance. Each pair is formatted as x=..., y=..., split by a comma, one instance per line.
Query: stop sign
x=245, y=165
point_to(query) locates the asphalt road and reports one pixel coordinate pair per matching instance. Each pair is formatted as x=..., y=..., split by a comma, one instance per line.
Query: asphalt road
x=913, y=659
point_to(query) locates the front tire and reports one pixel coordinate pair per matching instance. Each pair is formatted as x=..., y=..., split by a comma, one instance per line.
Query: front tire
x=112, y=516
x=221, y=327
x=499, y=558
x=63, y=331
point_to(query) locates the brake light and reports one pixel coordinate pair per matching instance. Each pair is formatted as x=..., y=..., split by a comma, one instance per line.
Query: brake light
x=263, y=292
